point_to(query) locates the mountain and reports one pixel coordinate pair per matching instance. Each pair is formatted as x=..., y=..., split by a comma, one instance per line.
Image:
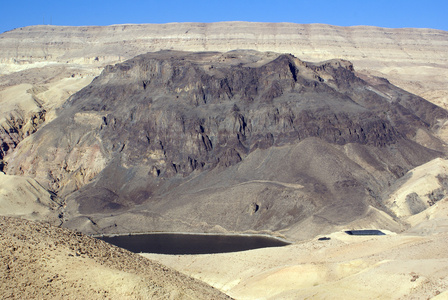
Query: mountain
x=413, y=58
x=233, y=141
x=365, y=46
x=41, y=66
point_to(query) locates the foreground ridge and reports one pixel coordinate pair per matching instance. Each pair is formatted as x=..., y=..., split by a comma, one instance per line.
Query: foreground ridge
x=42, y=261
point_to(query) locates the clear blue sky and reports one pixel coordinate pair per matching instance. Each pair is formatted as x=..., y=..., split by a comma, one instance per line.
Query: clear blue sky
x=383, y=13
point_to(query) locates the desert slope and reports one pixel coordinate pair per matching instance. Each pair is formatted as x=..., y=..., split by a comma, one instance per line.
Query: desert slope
x=224, y=142
x=25, y=197
x=410, y=265
x=42, y=262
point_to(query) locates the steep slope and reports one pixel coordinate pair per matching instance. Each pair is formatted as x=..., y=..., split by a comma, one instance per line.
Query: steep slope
x=29, y=98
x=161, y=139
x=19, y=118
x=41, y=261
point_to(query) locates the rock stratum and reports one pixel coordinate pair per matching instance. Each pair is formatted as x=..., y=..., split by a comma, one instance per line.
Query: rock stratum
x=414, y=59
x=235, y=141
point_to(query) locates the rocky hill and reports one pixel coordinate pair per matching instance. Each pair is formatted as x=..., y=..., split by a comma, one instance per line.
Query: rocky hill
x=41, y=66
x=231, y=141
x=297, y=140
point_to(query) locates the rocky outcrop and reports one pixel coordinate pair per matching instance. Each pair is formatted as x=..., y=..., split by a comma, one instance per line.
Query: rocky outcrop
x=16, y=127
x=29, y=99
x=30, y=55
x=146, y=127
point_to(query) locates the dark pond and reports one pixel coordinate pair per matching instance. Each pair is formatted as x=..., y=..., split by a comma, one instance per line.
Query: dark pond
x=169, y=243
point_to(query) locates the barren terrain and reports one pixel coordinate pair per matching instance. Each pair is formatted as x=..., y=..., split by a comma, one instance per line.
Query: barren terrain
x=406, y=264
x=401, y=266
x=236, y=141
x=414, y=59
x=39, y=261
x=301, y=140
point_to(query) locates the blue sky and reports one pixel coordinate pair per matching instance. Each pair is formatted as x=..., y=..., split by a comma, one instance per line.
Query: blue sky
x=383, y=13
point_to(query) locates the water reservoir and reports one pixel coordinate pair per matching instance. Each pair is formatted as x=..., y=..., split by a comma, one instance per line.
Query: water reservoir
x=172, y=243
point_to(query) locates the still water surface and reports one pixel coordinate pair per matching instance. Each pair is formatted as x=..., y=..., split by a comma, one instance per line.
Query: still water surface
x=170, y=243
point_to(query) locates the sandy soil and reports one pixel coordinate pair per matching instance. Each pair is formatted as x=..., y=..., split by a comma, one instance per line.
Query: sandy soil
x=25, y=197
x=38, y=261
x=423, y=182
x=410, y=265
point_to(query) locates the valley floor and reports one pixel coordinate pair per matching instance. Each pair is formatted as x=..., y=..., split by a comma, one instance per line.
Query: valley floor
x=410, y=265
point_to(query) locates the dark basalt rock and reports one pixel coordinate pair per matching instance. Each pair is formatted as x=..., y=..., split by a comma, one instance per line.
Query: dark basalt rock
x=209, y=109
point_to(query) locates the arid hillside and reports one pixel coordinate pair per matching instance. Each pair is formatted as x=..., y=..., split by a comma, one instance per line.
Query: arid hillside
x=39, y=261
x=41, y=66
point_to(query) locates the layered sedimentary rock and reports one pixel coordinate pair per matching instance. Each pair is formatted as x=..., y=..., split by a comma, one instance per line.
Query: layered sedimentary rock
x=241, y=140
x=29, y=98
x=413, y=58
x=19, y=118
x=309, y=41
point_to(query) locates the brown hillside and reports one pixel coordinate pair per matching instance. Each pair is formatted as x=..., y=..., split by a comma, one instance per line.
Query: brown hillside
x=39, y=261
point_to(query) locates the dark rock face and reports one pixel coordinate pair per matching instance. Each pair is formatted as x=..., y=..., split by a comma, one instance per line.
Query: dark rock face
x=161, y=119
x=200, y=112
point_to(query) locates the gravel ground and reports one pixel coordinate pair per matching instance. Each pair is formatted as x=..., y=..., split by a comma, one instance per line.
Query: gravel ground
x=39, y=261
